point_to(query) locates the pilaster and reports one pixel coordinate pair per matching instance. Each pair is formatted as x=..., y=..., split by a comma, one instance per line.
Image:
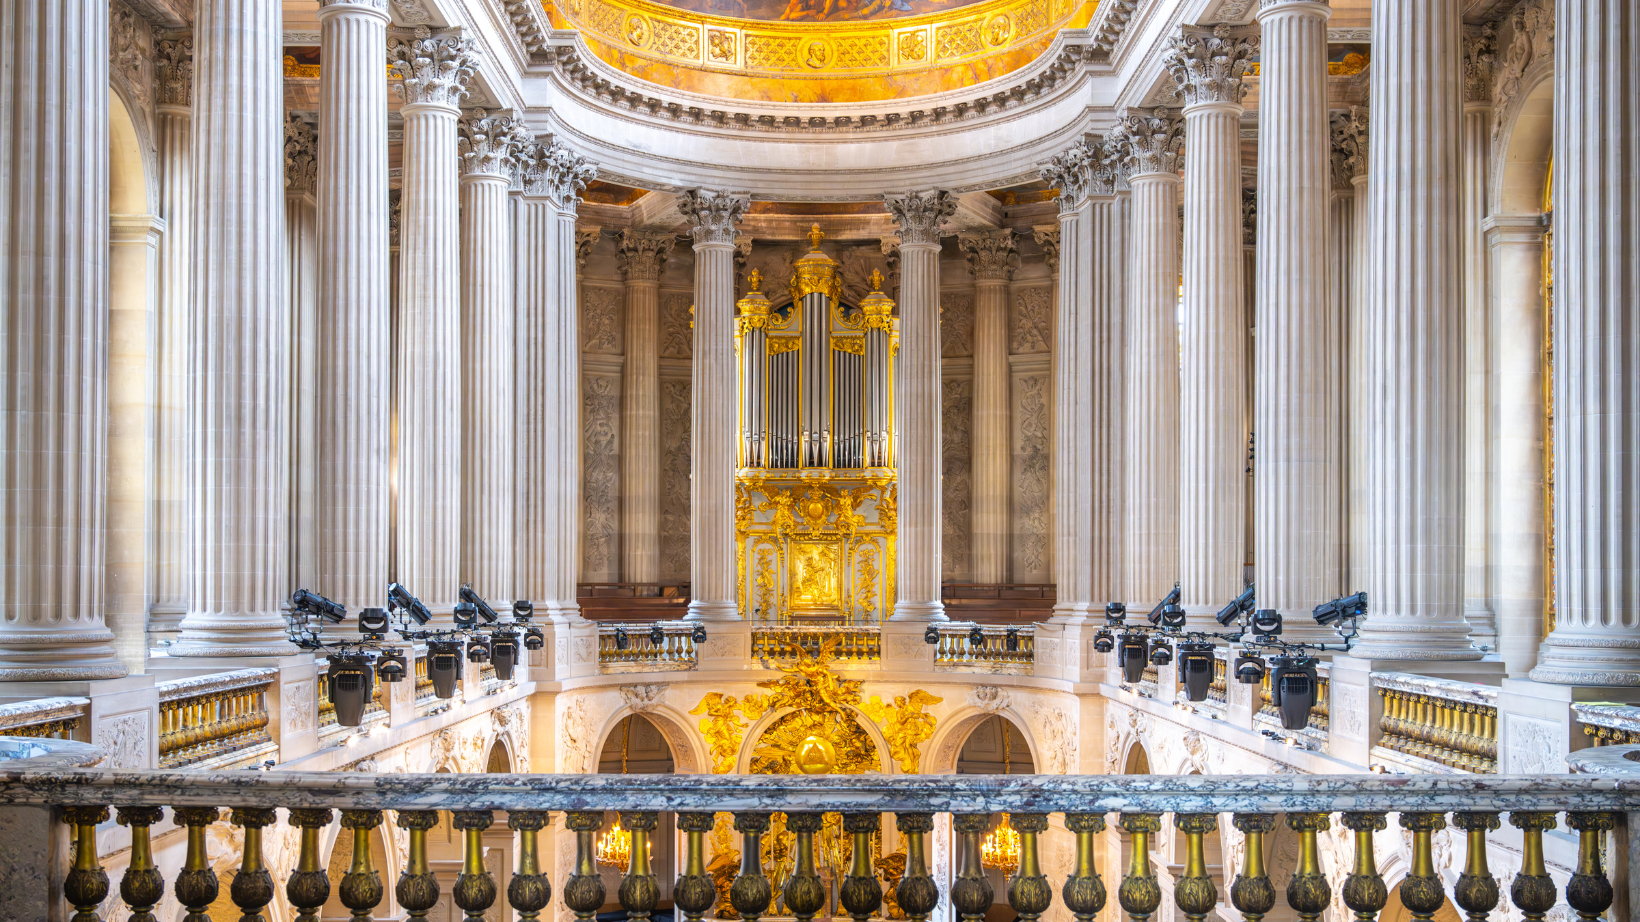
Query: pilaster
x=641, y=258
x=992, y=257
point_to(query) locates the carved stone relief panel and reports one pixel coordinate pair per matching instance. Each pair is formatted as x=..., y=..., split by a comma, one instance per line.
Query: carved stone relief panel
x=1031, y=322
x=956, y=324
x=125, y=738
x=1032, y=446
x=677, y=336
x=299, y=714
x=601, y=466
x=674, y=525
x=601, y=319
x=957, y=483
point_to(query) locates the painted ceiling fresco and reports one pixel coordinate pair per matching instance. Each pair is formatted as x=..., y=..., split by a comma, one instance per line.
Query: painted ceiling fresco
x=816, y=10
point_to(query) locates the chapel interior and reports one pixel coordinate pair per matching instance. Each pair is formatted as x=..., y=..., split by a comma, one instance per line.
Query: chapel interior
x=665, y=460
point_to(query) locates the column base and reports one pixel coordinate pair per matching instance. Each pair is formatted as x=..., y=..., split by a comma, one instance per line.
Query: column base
x=700, y=610
x=232, y=634
x=1605, y=659
x=919, y=611
x=1414, y=639
x=58, y=655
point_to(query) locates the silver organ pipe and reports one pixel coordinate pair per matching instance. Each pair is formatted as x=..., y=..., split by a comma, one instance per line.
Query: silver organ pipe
x=848, y=408
x=878, y=359
x=784, y=442
x=753, y=329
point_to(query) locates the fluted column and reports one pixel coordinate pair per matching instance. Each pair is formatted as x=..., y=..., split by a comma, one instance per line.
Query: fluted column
x=1596, y=639
x=54, y=239
x=712, y=216
x=1213, y=360
x=302, y=293
x=241, y=336
x=1479, y=336
x=547, y=368
x=1298, y=532
x=488, y=441
x=1343, y=249
x=641, y=258
x=435, y=69
x=173, y=118
x=1349, y=158
x=1073, y=414
x=1152, y=139
x=353, y=404
x=1415, y=337
x=992, y=258
x=920, y=216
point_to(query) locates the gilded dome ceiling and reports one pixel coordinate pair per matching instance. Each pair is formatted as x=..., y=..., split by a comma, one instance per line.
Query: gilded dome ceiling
x=819, y=51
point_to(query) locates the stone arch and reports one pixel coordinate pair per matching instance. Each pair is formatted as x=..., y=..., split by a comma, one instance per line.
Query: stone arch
x=688, y=750
x=500, y=758
x=1136, y=760
x=1521, y=155
x=945, y=748
x=885, y=764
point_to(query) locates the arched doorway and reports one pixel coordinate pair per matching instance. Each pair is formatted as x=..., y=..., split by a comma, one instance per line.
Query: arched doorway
x=635, y=746
x=997, y=746
x=500, y=760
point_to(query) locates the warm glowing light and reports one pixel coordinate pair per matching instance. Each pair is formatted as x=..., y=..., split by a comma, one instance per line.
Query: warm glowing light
x=1000, y=850
x=615, y=848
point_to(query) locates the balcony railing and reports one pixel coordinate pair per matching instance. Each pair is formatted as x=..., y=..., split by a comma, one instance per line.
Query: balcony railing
x=1437, y=725
x=216, y=721
x=632, y=648
x=850, y=644
x=1591, y=806
x=999, y=649
x=1609, y=724
x=44, y=718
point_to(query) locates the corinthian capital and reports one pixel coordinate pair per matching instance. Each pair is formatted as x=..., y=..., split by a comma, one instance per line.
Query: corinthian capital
x=488, y=143
x=301, y=157
x=585, y=239
x=1048, y=239
x=1480, y=55
x=1349, y=145
x=435, y=68
x=641, y=256
x=920, y=215
x=174, y=71
x=554, y=171
x=1070, y=174
x=991, y=255
x=1209, y=68
x=1155, y=140
x=712, y=215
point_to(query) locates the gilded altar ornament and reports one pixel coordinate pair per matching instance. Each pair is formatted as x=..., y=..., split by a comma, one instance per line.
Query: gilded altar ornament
x=723, y=728
x=816, y=756
x=724, y=864
x=877, y=307
x=905, y=725
x=754, y=308
x=815, y=272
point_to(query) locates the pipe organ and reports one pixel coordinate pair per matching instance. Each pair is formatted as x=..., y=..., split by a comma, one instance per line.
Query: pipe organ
x=815, y=491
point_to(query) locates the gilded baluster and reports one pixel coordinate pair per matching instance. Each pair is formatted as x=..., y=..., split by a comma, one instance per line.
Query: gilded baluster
x=639, y=892
x=252, y=887
x=1421, y=890
x=584, y=889
x=1589, y=891
x=804, y=893
x=1084, y=891
x=417, y=888
x=87, y=883
x=475, y=887
x=1029, y=893
x=1194, y=893
x=1364, y=890
x=971, y=891
x=361, y=888
x=196, y=884
x=1139, y=893
x=1533, y=891
x=917, y=893
x=529, y=891
x=1476, y=892
x=143, y=885
x=695, y=892
x=1252, y=893
x=1308, y=892
x=861, y=893
x=309, y=885
x=750, y=894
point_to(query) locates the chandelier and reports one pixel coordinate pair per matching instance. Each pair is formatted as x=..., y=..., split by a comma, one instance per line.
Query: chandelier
x=614, y=847
x=1000, y=850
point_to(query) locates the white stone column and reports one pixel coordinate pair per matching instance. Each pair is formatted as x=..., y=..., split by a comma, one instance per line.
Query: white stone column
x=1415, y=338
x=173, y=117
x=354, y=406
x=713, y=445
x=1516, y=288
x=1298, y=532
x=992, y=258
x=548, y=380
x=1480, y=573
x=1349, y=164
x=1249, y=278
x=1596, y=639
x=1342, y=269
x=302, y=293
x=1073, y=414
x=241, y=336
x=488, y=441
x=1213, y=359
x=641, y=258
x=436, y=70
x=919, y=216
x=1152, y=140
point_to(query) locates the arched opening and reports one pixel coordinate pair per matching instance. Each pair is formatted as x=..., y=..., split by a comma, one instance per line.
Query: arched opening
x=133, y=273
x=997, y=746
x=637, y=747
x=500, y=761
x=1138, y=761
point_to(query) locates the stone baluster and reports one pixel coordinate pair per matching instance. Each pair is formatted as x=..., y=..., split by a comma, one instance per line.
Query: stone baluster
x=920, y=217
x=1212, y=518
x=712, y=445
x=487, y=146
x=992, y=257
x=428, y=532
x=1596, y=637
x=1150, y=142
x=1415, y=339
x=641, y=258
x=353, y=408
x=55, y=285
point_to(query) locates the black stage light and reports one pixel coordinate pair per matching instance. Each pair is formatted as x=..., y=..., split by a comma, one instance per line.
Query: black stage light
x=621, y=640
x=657, y=635
x=1012, y=642
x=444, y=666
x=504, y=654
x=373, y=623
x=1196, y=669
x=523, y=610
x=401, y=599
x=477, y=601
x=351, y=681
x=1115, y=613
x=1172, y=598
x=1249, y=669
x=1350, y=606
x=466, y=615
x=698, y=634
x=1232, y=612
x=1266, y=622
x=534, y=639
x=393, y=666
x=312, y=603
x=1104, y=641
x=1160, y=653
x=931, y=635
x=1172, y=617
x=1133, y=654
x=478, y=649
x=1293, y=685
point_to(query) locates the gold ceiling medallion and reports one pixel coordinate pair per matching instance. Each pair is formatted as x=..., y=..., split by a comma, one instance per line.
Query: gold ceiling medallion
x=637, y=31
x=999, y=29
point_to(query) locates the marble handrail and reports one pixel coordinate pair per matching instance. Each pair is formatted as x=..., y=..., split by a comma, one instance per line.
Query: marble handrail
x=43, y=717
x=1609, y=724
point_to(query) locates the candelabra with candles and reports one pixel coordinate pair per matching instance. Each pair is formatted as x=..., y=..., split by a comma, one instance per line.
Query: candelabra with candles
x=614, y=848
x=1000, y=850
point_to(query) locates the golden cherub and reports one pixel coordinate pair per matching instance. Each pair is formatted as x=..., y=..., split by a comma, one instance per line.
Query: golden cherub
x=905, y=725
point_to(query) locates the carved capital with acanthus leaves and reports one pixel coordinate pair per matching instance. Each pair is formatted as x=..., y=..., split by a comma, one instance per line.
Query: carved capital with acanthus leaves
x=920, y=216
x=1071, y=174
x=1349, y=145
x=1207, y=68
x=174, y=71
x=301, y=157
x=712, y=215
x=435, y=68
x=641, y=256
x=487, y=143
x=558, y=173
x=991, y=255
x=1155, y=140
